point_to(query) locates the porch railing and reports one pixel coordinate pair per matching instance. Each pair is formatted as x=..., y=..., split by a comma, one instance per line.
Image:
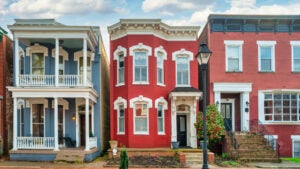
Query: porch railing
x=49, y=80
x=93, y=142
x=35, y=143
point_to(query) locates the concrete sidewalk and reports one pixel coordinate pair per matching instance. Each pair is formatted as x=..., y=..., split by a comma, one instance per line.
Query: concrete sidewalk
x=282, y=165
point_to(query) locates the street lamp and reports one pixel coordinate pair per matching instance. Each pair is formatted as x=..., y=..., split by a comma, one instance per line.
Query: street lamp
x=203, y=56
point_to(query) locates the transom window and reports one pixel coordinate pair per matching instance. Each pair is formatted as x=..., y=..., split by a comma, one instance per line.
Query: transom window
x=38, y=64
x=121, y=119
x=295, y=56
x=234, y=56
x=141, y=118
x=281, y=107
x=121, y=69
x=38, y=120
x=182, y=71
x=140, y=67
x=266, y=56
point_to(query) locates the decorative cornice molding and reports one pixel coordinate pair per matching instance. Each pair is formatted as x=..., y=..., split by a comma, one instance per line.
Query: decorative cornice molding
x=140, y=47
x=62, y=52
x=36, y=48
x=152, y=27
x=118, y=101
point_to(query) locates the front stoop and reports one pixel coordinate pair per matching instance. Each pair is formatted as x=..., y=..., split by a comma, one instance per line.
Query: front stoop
x=66, y=156
x=195, y=157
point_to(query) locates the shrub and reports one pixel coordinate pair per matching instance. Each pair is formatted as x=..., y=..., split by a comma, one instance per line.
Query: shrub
x=123, y=159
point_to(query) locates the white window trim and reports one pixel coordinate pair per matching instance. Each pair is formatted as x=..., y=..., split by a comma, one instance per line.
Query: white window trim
x=261, y=106
x=140, y=47
x=268, y=44
x=117, y=104
x=164, y=103
x=294, y=44
x=234, y=43
x=294, y=138
x=158, y=50
x=117, y=52
x=183, y=53
x=132, y=102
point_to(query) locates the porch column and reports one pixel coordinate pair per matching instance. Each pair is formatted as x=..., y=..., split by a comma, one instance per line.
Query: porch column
x=15, y=124
x=84, y=62
x=173, y=121
x=218, y=100
x=245, y=126
x=56, y=60
x=87, y=130
x=193, y=119
x=55, y=124
x=93, y=124
x=77, y=128
x=17, y=68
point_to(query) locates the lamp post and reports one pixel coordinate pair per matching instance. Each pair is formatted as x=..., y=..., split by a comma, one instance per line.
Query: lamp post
x=203, y=56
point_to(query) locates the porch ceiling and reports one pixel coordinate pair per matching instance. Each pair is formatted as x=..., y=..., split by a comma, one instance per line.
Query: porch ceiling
x=20, y=92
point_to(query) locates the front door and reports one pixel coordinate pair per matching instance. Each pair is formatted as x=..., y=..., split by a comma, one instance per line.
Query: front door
x=82, y=130
x=181, y=130
x=226, y=111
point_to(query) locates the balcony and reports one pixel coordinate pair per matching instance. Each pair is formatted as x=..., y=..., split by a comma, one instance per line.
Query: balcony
x=49, y=81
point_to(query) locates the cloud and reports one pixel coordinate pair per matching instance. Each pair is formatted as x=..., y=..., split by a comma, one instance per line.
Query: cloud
x=56, y=8
x=3, y=9
x=169, y=7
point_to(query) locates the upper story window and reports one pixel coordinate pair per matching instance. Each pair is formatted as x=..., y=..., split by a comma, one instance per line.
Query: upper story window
x=119, y=56
x=78, y=56
x=161, y=105
x=120, y=105
x=61, y=65
x=37, y=54
x=62, y=57
x=182, y=59
x=295, y=45
x=21, y=60
x=140, y=55
x=160, y=55
x=141, y=107
x=234, y=59
x=266, y=56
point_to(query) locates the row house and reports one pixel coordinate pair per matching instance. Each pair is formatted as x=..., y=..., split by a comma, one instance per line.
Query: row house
x=154, y=85
x=6, y=60
x=253, y=75
x=59, y=74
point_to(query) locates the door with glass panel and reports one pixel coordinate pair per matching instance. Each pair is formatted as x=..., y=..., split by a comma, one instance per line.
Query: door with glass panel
x=181, y=130
x=226, y=112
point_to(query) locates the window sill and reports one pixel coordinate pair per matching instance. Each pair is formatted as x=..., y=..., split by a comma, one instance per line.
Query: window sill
x=295, y=72
x=140, y=83
x=160, y=84
x=140, y=133
x=120, y=84
x=281, y=123
x=120, y=133
x=161, y=133
x=233, y=71
x=272, y=71
x=183, y=85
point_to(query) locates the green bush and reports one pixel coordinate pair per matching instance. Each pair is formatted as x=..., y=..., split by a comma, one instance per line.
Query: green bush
x=123, y=159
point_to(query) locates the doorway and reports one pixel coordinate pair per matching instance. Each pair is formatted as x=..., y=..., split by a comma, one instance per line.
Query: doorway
x=227, y=110
x=181, y=130
x=82, y=128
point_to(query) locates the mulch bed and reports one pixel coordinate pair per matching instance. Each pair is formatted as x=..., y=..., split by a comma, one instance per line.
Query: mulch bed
x=147, y=162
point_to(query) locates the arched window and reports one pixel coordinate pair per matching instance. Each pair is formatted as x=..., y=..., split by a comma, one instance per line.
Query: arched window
x=119, y=56
x=120, y=105
x=160, y=55
x=161, y=105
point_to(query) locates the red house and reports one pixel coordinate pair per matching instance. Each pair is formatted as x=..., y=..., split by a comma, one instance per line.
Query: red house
x=6, y=57
x=254, y=74
x=154, y=81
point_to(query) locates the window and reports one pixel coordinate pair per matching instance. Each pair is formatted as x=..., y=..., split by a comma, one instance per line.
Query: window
x=295, y=56
x=37, y=67
x=296, y=145
x=38, y=120
x=140, y=67
x=121, y=69
x=121, y=119
x=160, y=119
x=141, y=118
x=182, y=71
x=88, y=68
x=61, y=66
x=60, y=124
x=266, y=56
x=281, y=107
x=160, y=69
x=234, y=56
x=22, y=129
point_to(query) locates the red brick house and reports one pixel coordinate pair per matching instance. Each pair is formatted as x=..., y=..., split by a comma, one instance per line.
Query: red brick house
x=254, y=74
x=154, y=83
x=5, y=79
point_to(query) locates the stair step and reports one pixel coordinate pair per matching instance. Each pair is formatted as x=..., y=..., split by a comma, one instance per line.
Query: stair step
x=69, y=157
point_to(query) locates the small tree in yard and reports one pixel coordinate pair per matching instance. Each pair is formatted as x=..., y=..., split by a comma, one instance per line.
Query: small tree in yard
x=214, y=125
x=123, y=159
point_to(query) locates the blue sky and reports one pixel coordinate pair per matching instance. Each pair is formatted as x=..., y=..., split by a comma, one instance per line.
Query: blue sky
x=107, y=12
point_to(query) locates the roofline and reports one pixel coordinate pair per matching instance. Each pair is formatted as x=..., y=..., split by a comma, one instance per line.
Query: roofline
x=239, y=16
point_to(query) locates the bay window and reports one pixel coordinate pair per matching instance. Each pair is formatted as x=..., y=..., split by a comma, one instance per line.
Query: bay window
x=182, y=71
x=160, y=119
x=140, y=67
x=121, y=69
x=121, y=119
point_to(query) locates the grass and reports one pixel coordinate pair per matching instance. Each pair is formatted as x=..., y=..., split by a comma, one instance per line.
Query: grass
x=230, y=163
x=296, y=160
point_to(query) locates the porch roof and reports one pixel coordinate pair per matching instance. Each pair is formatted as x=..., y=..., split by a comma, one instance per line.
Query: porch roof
x=22, y=92
x=185, y=91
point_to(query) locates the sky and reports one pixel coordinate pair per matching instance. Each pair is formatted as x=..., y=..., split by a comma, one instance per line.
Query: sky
x=104, y=13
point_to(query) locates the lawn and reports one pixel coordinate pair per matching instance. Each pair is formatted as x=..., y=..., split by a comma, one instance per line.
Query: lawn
x=296, y=160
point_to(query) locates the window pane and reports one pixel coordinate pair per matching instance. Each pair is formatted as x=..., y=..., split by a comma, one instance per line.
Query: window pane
x=160, y=125
x=37, y=113
x=144, y=73
x=121, y=125
x=159, y=111
x=121, y=75
x=233, y=64
x=297, y=64
x=265, y=52
x=233, y=51
x=137, y=74
x=140, y=59
x=38, y=130
x=266, y=64
x=159, y=75
x=296, y=52
x=297, y=149
x=141, y=124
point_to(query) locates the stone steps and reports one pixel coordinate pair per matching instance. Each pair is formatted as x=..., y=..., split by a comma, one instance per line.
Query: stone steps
x=66, y=156
x=193, y=158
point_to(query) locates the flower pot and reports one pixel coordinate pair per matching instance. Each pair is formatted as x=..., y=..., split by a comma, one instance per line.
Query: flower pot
x=201, y=144
x=113, y=144
x=175, y=144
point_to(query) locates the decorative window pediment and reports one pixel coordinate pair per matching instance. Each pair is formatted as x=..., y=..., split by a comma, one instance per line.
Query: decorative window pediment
x=161, y=101
x=36, y=48
x=182, y=53
x=62, y=52
x=118, y=51
x=141, y=98
x=62, y=102
x=140, y=47
x=118, y=101
x=79, y=54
